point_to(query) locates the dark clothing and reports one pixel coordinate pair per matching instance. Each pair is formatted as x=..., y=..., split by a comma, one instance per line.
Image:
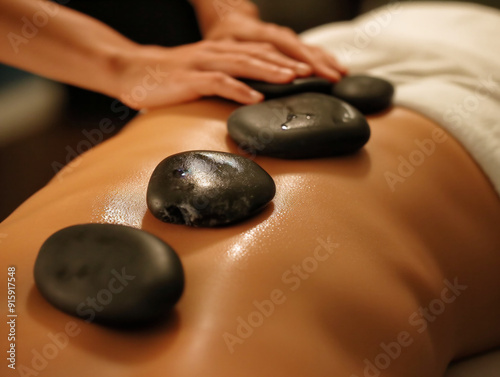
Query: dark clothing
x=167, y=23
x=160, y=22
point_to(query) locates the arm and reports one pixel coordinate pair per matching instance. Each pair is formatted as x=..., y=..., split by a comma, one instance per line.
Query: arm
x=56, y=42
x=66, y=45
x=239, y=20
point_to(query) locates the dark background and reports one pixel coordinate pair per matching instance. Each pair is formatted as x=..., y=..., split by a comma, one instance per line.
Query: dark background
x=41, y=121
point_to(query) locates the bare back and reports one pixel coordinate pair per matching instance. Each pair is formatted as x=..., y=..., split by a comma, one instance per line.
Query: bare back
x=375, y=261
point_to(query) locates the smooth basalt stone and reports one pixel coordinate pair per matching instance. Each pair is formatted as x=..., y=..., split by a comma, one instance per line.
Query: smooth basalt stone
x=111, y=274
x=306, y=125
x=207, y=188
x=366, y=93
x=300, y=85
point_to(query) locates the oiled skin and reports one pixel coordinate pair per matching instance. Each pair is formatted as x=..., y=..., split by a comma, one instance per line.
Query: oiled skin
x=393, y=252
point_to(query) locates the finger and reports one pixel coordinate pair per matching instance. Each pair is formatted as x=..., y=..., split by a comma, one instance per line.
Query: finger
x=336, y=64
x=328, y=63
x=284, y=39
x=288, y=42
x=185, y=86
x=220, y=84
x=323, y=68
x=242, y=65
x=175, y=89
x=266, y=52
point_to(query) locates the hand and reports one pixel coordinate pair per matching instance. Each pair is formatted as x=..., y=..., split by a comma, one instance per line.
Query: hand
x=152, y=76
x=243, y=27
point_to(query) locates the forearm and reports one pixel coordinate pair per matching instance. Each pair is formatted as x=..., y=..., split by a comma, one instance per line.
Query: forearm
x=56, y=42
x=209, y=12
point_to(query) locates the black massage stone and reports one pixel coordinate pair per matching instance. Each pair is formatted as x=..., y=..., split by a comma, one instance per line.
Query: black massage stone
x=366, y=93
x=306, y=125
x=111, y=274
x=207, y=188
x=300, y=85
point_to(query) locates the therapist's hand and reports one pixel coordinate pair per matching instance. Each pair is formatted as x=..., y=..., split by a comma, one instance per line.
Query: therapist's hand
x=244, y=27
x=152, y=76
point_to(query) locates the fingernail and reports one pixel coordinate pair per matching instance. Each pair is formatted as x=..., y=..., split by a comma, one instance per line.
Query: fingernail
x=256, y=96
x=331, y=75
x=286, y=71
x=303, y=69
x=336, y=76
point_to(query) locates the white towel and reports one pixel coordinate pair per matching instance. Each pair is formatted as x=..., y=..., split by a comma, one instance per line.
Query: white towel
x=444, y=59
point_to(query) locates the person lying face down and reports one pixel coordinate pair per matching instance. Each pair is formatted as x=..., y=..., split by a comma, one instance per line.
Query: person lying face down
x=376, y=263
x=339, y=275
